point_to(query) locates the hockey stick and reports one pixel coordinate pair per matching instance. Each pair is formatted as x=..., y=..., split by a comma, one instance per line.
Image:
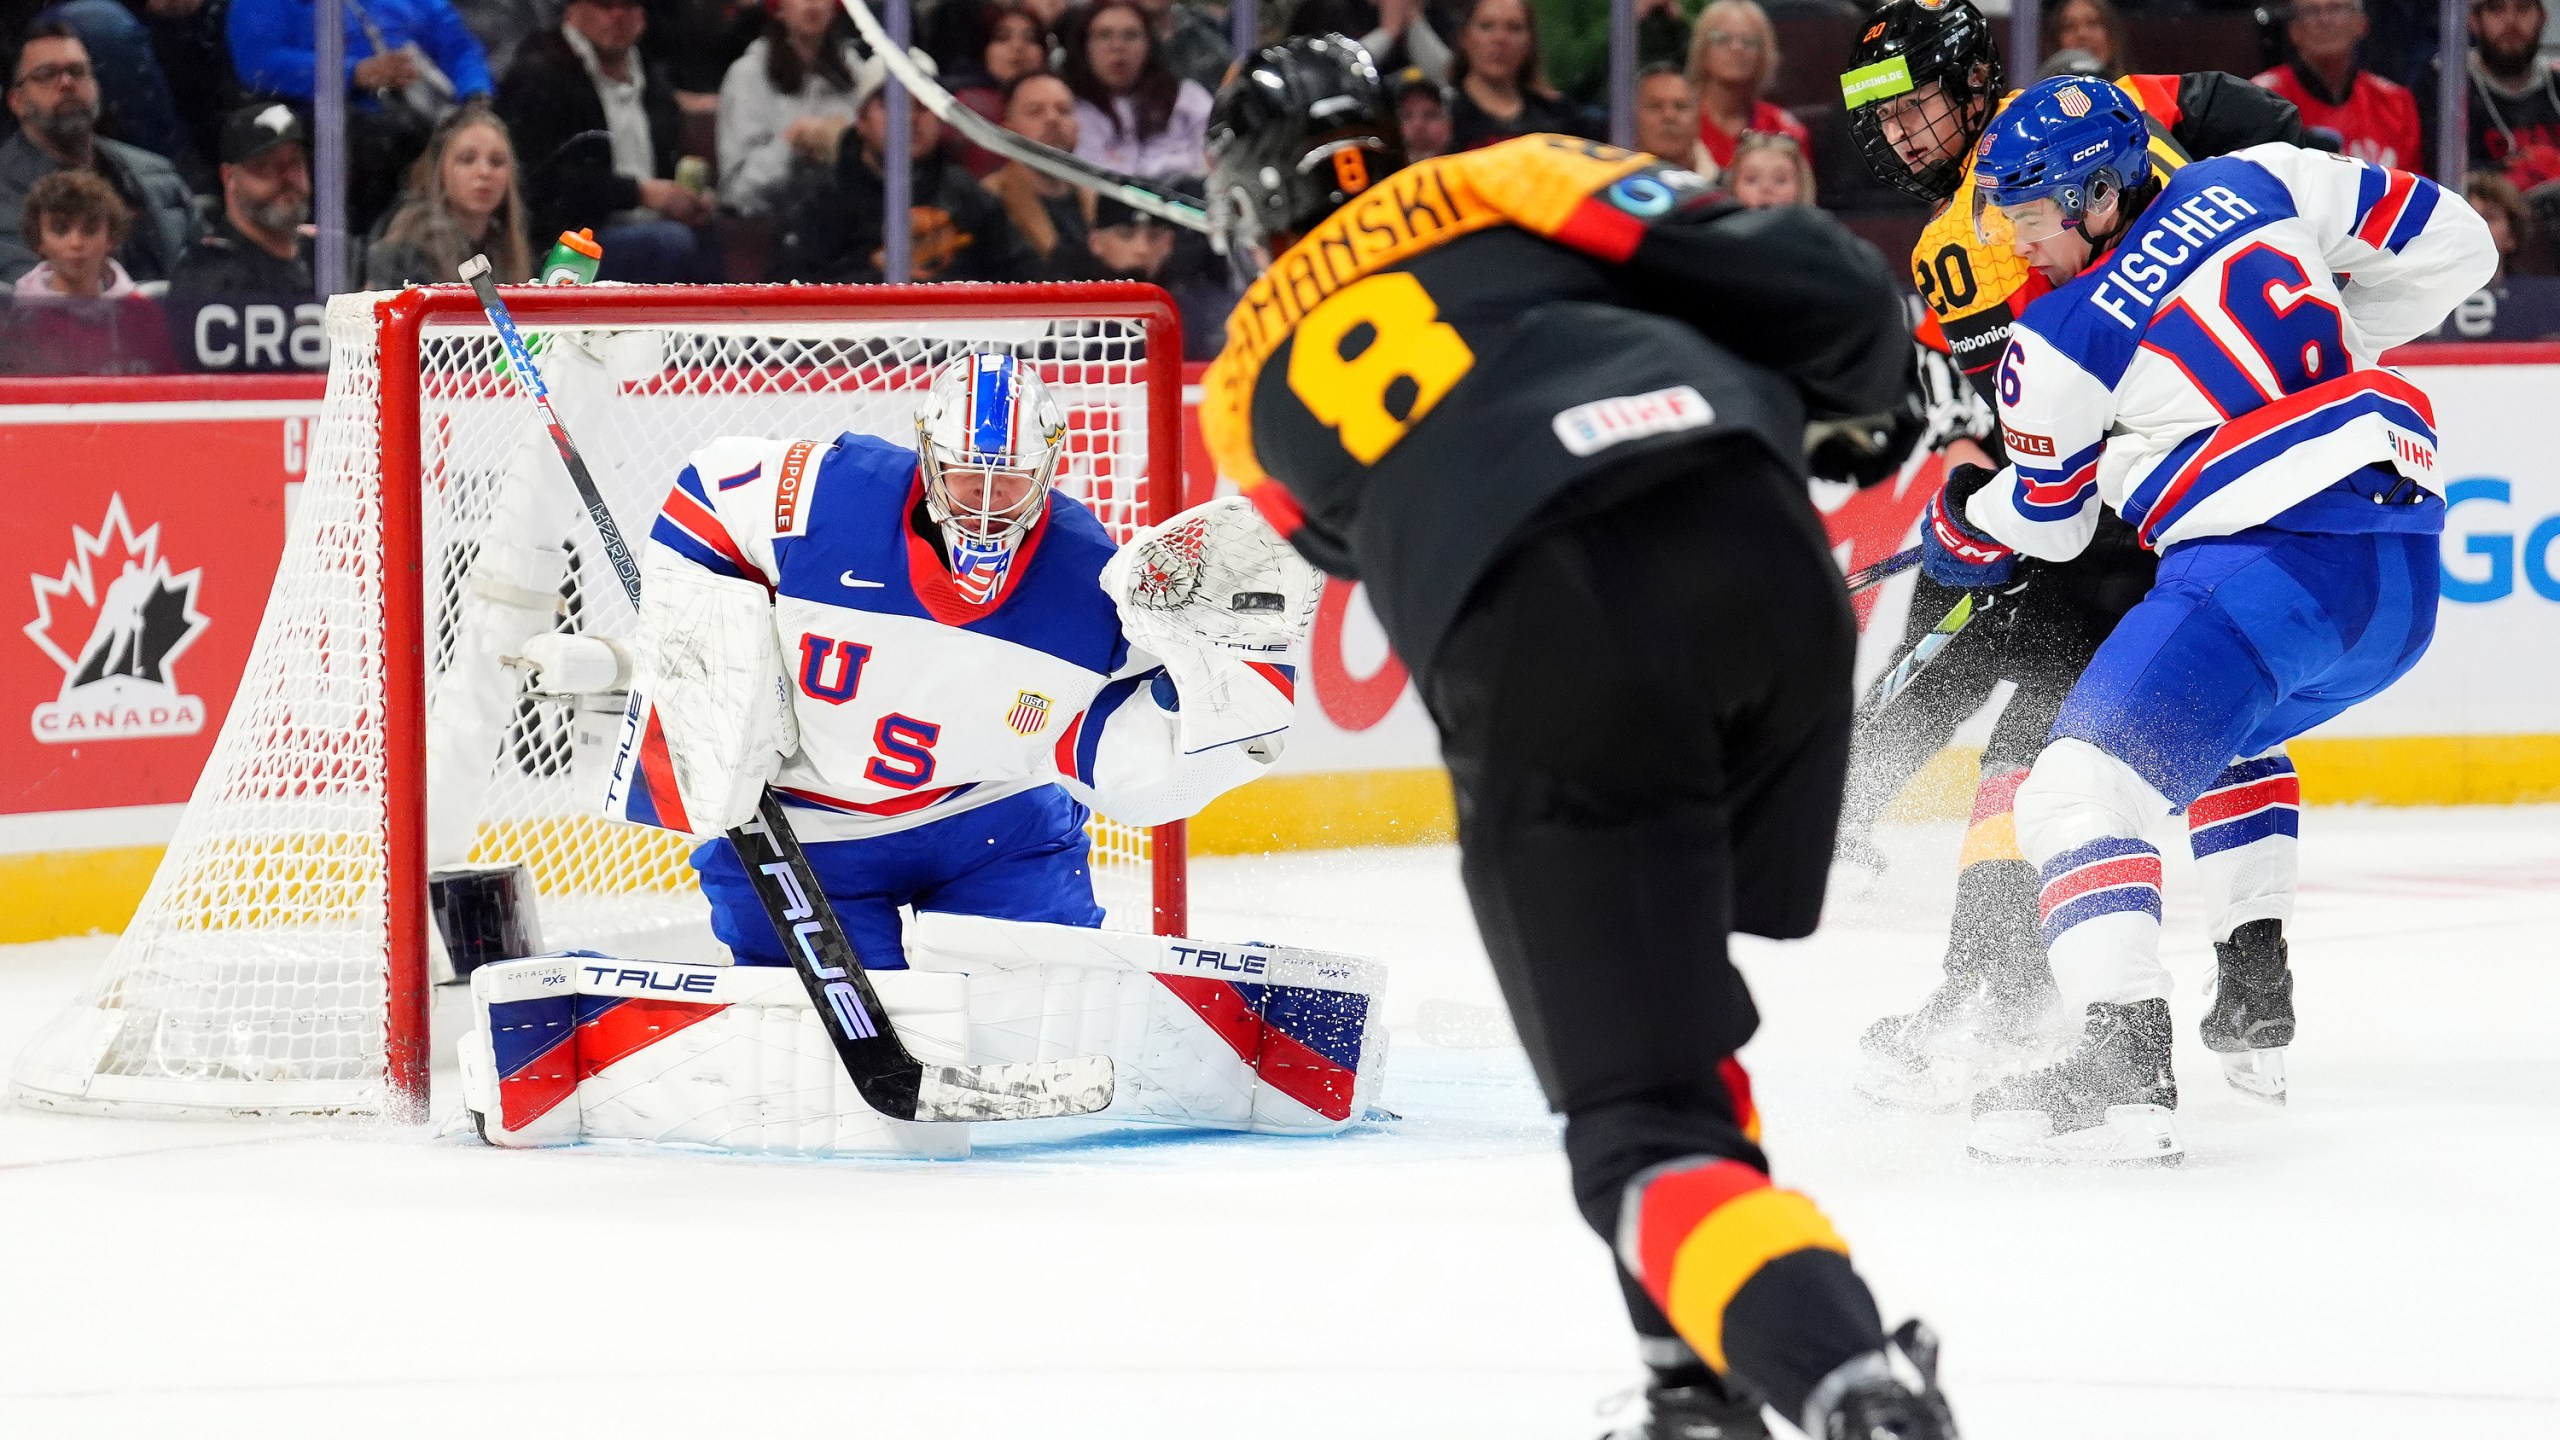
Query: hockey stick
x=1166, y=205
x=889, y=1079
x=1882, y=570
x=1893, y=682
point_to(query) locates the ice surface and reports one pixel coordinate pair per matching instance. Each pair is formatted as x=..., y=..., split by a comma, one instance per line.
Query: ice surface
x=2377, y=1260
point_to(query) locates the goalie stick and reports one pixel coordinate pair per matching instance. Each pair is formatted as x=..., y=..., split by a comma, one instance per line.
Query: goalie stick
x=1166, y=205
x=889, y=1079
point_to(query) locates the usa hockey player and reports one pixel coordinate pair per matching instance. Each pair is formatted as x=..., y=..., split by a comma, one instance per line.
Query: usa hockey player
x=2205, y=368
x=1924, y=83
x=1548, y=399
x=915, y=648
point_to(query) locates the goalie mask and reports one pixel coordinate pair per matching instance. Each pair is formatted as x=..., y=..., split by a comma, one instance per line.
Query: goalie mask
x=988, y=443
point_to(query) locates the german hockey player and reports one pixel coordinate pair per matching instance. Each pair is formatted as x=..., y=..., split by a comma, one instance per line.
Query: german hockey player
x=1925, y=83
x=2206, y=369
x=1549, y=400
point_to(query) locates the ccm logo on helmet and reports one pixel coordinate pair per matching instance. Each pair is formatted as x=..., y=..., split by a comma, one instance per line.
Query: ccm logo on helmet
x=2080, y=155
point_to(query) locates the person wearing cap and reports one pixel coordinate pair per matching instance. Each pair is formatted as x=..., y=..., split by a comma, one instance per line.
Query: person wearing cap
x=1422, y=105
x=261, y=246
x=54, y=93
x=599, y=131
x=958, y=230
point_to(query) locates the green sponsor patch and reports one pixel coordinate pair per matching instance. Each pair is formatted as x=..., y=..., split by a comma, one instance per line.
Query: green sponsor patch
x=1881, y=81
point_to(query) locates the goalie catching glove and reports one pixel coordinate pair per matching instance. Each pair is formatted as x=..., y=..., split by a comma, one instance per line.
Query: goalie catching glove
x=1222, y=601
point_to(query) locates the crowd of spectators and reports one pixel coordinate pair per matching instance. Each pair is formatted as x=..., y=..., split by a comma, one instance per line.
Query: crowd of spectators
x=162, y=154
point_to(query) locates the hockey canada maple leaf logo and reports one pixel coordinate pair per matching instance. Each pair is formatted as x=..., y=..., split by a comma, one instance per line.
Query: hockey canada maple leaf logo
x=118, y=684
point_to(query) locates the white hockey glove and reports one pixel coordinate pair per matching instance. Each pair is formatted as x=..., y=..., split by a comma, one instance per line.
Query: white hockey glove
x=710, y=693
x=565, y=664
x=1213, y=593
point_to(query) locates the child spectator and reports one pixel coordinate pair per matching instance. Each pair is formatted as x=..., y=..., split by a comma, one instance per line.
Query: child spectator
x=1501, y=91
x=1733, y=60
x=1133, y=114
x=2094, y=28
x=2373, y=119
x=1013, y=45
x=259, y=246
x=958, y=230
x=54, y=93
x=1422, y=108
x=77, y=312
x=1667, y=117
x=462, y=201
x=1769, y=171
x=785, y=105
x=1051, y=215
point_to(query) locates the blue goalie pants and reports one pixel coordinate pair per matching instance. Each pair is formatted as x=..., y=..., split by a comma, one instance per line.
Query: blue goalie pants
x=1025, y=857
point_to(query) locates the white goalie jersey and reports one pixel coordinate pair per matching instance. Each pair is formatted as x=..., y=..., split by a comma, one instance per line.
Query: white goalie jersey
x=2220, y=365
x=796, y=628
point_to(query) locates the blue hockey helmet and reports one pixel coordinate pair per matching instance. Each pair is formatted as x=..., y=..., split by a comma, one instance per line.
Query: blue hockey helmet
x=2074, y=140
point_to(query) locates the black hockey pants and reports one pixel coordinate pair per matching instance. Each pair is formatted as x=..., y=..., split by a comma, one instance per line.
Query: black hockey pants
x=1645, y=710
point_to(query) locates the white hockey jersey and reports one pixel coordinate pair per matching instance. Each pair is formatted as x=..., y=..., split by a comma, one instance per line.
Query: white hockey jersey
x=913, y=703
x=2218, y=368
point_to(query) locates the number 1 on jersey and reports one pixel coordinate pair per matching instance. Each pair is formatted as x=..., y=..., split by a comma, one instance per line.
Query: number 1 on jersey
x=1374, y=359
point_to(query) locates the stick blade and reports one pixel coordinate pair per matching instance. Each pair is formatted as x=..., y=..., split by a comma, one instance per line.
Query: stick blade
x=1037, y=1090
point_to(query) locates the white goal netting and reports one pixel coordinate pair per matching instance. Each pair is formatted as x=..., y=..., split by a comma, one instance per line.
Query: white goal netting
x=258, y=974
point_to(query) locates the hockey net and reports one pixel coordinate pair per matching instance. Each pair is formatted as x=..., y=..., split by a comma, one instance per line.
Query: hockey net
x=281, y=960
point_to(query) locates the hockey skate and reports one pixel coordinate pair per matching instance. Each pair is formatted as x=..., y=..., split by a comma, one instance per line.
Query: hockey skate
x=2249, y=1021
x=1871, y=1399
x=1992, y=1014
x=2112, y=1100
x=1712, y=1409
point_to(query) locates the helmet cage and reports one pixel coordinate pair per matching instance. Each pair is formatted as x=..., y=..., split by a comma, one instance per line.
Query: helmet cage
x=988, y=417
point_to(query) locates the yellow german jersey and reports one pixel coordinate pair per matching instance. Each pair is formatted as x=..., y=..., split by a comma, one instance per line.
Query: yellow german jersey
x=1417, y=376
x=1974, y=286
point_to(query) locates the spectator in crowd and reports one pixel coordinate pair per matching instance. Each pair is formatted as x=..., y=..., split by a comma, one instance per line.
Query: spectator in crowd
x=1396, y=33
x=194, y=53
x=462, y=200
x=2095, y=28
x=54, y=94
x=1422, y=107
x=1196, y=46
x=77, y=312
x=1733, y=59
x=1125, y=245
x=1133, y=114
x=1667, y=117
x=2501, y=206
x=132, y=83
x=1012, y=46
x=1051, y=215
x=1769, y=171
x=407, y=62
x=957, y=230
x=785, y=105
x=587, y=76
x=261, y=245
x=1501, y=91
x=2373, y=118
x=2515, y=102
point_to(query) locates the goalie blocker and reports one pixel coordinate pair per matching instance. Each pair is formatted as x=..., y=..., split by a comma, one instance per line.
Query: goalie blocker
x=1260, y=1038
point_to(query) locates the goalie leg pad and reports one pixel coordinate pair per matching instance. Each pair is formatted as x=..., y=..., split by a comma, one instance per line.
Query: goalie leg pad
x=568, y=1048
x=1260, y=1038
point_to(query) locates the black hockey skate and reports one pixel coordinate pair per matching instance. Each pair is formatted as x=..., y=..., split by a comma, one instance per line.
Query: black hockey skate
x=1995, y=1010
x=2250, y=1021
x=1867, y=1400
x=1708, y=1409
x=2113, y=1099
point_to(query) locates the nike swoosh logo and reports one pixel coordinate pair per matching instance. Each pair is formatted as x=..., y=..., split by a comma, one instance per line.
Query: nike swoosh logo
x=848, y=578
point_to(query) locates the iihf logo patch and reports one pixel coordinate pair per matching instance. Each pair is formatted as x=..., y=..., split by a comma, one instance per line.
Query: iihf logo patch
x=1030, y=713
x=118, y=685
x=2075, y=102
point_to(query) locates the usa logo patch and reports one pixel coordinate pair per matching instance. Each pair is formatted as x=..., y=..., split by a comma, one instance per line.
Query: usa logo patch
x=2075, y=102
x=1030, y=713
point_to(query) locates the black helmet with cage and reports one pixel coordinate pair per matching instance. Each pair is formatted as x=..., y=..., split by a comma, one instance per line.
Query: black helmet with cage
x=1906, y=46
x=1298, y=129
